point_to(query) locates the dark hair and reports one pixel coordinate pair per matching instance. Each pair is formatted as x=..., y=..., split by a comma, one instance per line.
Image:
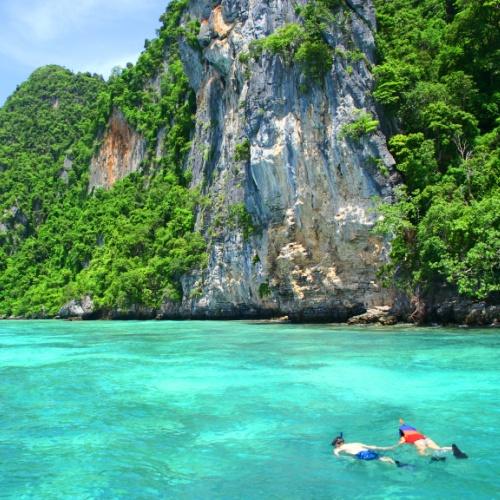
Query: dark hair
x=338, y=439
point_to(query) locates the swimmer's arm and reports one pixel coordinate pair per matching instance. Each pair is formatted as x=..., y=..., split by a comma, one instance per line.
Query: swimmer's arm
x=380, y=447
x=336, y=452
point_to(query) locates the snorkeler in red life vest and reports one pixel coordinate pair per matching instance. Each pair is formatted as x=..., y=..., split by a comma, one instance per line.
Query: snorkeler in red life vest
x=410, y=435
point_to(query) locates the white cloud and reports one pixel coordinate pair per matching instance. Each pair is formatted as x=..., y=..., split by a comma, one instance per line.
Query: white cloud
x=46, y=20
x=85, y=34
x=82, y=35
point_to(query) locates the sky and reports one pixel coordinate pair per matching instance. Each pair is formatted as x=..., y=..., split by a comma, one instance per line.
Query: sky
x=82, y=35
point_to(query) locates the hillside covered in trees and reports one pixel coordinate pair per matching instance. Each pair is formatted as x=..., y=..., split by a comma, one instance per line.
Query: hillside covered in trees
x=438, y=79
x=131, y=246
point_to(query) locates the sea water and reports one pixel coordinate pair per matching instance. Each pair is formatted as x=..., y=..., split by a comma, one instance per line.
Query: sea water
x=242, y=410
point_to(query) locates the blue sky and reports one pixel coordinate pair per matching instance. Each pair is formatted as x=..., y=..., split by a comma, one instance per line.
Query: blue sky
x=82, y=35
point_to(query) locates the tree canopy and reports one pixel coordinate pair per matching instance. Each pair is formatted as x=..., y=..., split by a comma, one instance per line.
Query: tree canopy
x=438, y=80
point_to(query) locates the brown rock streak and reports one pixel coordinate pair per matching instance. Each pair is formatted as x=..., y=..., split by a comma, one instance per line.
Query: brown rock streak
x=121, y=152
x=219, y=26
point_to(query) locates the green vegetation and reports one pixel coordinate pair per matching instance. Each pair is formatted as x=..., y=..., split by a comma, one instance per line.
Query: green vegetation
x=284, y=42
x=191, y=33
x=316, y=58
x=240, y=217
x=264, y=290
x=363, y=124
x=244, y=57
x=355, y=55
x=126, y=246
x=305, y=43
x=134, y=92
x=39, y=125
x=439, y=79
x=242, y=151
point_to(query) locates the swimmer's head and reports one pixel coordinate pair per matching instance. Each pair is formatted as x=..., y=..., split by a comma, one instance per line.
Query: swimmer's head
x=339, y=440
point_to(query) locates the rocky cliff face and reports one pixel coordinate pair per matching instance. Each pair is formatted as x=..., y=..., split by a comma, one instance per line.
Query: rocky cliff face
x=290, y=195
x=308, y=188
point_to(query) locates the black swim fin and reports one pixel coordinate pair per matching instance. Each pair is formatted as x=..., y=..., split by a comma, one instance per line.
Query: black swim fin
x=400, y=464
x=438, y=459
x=457, y=453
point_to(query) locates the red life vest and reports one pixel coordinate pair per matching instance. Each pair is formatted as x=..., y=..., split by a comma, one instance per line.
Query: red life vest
x=410, y=434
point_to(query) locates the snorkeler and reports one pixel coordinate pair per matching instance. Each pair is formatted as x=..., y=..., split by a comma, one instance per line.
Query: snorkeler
x=362, y=451
x=410, y=435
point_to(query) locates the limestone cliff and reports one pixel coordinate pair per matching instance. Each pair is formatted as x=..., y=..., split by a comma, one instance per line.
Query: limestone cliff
x=290, y=195
x=308, y=188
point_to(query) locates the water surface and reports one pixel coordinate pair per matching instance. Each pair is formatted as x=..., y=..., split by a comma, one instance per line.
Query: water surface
x=241, y=410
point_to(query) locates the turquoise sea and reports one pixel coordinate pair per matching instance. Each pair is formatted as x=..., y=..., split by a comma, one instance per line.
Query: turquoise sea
x=242, y=410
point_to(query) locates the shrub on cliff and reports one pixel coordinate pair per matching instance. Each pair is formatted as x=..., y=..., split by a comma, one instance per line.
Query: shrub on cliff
x=303, y=43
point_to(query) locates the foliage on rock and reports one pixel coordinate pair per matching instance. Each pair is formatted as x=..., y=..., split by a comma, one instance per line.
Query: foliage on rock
x=304, y=43
x=362, y=124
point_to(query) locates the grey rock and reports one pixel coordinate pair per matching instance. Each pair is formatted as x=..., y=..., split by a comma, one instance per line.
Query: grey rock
x=17, y=216
x=447, y=307
x=193, y=64
x=233, y=9
x=65, y=170
x=204, y=38
x=218, y=54
x=82, y=308
x=375, y=315
x=135, y=311
x=308, y=189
